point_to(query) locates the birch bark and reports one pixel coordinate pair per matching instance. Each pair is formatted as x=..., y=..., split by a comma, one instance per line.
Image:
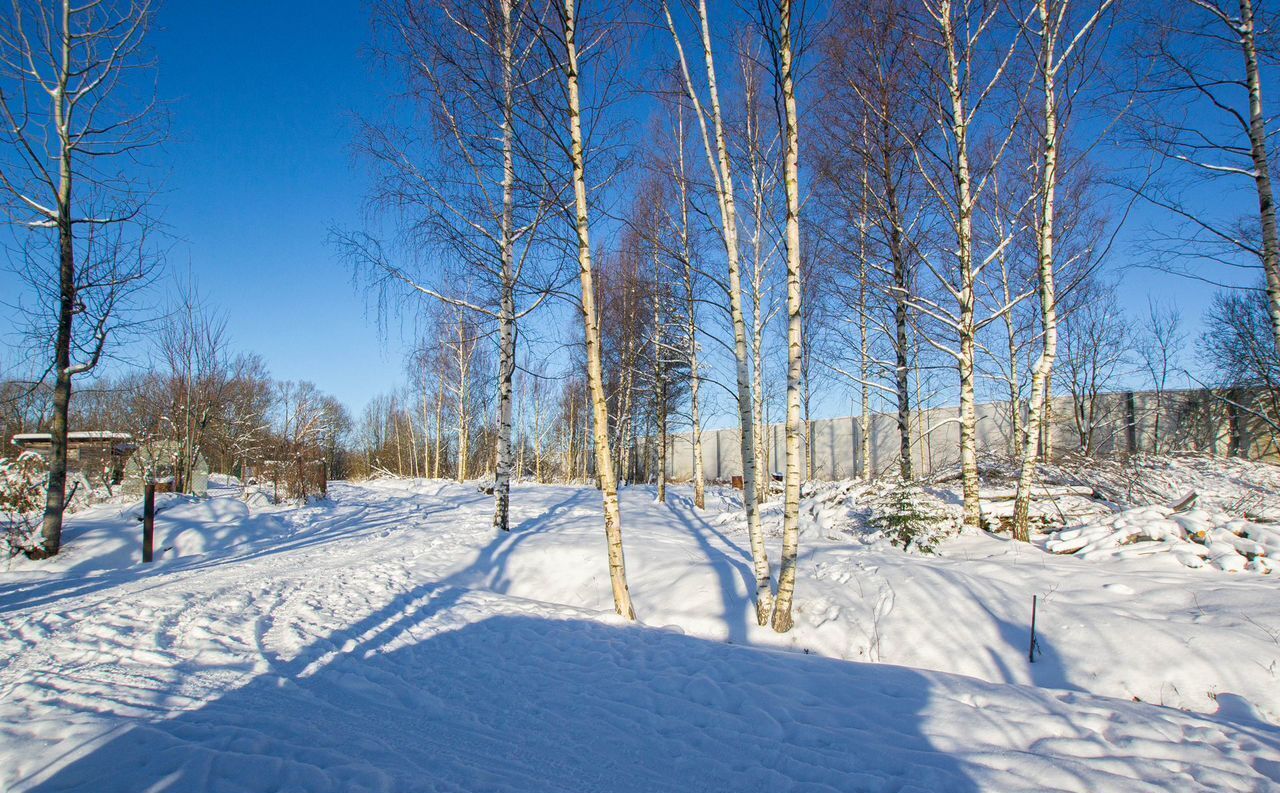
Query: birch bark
x=782, y=619
x=590, y=321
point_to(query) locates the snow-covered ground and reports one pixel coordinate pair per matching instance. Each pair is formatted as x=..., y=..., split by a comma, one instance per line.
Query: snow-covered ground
x=389, y=639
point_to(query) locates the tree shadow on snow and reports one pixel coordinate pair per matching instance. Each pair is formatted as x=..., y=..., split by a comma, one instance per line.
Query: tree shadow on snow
x=343, y=522
x=734, y=573
x=519, y=702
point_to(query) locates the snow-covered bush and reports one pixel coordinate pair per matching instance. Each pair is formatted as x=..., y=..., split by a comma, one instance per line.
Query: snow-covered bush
x=908, y=516
x=22, y=484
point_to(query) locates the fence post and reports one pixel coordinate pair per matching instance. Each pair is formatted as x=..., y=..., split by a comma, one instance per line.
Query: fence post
x=1031, y=649
x=148, y=519
x=1131, y=421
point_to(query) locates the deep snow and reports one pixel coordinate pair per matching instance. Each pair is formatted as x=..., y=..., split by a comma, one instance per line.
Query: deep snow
x=388, y=639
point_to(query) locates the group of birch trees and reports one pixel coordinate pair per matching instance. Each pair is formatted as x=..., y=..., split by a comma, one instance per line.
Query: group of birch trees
x=948, y=217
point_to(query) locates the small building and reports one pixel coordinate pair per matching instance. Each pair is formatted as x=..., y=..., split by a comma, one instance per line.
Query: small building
x=99, y=456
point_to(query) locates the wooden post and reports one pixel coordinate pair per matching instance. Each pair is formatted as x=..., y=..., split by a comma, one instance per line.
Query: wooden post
x=148, y=520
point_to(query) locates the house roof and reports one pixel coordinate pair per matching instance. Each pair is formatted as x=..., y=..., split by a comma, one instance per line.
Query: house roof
x=25, y=438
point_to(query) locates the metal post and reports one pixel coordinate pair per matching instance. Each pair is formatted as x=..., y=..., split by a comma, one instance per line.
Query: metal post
x=148, y=520
x=1031, y=650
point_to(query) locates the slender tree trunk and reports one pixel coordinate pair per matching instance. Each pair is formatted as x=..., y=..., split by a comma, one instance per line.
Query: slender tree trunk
x=413, y=443
x=395, y=427
x=507, y=310
x=719, y=163
x=1015, y=397
x=864, y=373
x=901, y=298
x=426, y=425
x=782, y=620
x=1042, y=372
x=435, y=460
x=966, y=330
x=660, y=376
x=691, y=318
x=761, y=431
x=1261, y=167
x=464, y=404
x=56, y=490
x=595, y=376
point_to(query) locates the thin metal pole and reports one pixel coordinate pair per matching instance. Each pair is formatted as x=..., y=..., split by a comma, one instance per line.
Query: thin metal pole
x=1031, y=650
x=148, y=520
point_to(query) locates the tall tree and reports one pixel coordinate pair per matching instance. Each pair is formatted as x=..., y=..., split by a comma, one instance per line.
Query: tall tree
x=73, y=128
x=468, y=189
x=785, y=60
x=719, y=163
x=1201, y=111
x=1058, y=46
x=560, y=35
x=963, y=70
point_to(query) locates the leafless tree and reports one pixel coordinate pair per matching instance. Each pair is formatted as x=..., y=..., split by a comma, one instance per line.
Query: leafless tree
x=1202, y=114
x=780, y=23
x=711, y=126
x=470, y=189
x=1095, y=354
x=559, y=32
x=1160, y=344
x=965, y=61
x=874, y=122
x=1236, y=349
x=71, y=134
x=1061, y=41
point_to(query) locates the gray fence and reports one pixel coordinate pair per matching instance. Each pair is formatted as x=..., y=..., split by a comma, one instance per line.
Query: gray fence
x=1198, y=420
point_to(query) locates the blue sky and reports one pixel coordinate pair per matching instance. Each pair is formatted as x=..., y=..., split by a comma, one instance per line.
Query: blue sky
x=259, y=167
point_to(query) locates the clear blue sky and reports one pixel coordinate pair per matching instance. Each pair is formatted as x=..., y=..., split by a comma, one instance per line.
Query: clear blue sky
x=264, y=97
x=262, y=100
x=259, y=167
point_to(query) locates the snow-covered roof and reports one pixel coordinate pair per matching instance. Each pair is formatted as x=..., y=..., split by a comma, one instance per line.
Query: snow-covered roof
x=84, y=435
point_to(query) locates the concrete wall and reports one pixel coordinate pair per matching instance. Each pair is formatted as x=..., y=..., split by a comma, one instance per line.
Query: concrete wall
x=1121, y=423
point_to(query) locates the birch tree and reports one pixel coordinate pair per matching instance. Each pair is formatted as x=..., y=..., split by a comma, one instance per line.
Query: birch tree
x=684, y=254
x=782, y=620
x=465, y=190
x=559, y=33
x=1202, y=111
x=964, y=70
x=719, y=163
x=873, y=117
x=73, y=128
x=1057, y=46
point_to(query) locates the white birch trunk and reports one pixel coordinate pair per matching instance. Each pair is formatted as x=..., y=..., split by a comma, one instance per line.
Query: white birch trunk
x=966, y=292
x=782, y=620
x=591, y=331
x=1261, y=167
x=1042, y=372
x=507, y=309
x=723, y=179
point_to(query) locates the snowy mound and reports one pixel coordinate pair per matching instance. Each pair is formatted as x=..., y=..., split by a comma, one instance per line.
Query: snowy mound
x=1194, y=538
x=876, y=514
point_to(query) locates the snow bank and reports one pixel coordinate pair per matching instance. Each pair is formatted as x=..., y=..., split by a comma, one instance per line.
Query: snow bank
x=1195, y=538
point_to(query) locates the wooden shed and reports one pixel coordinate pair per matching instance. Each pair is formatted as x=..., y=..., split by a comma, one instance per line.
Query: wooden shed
x=99, y=456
